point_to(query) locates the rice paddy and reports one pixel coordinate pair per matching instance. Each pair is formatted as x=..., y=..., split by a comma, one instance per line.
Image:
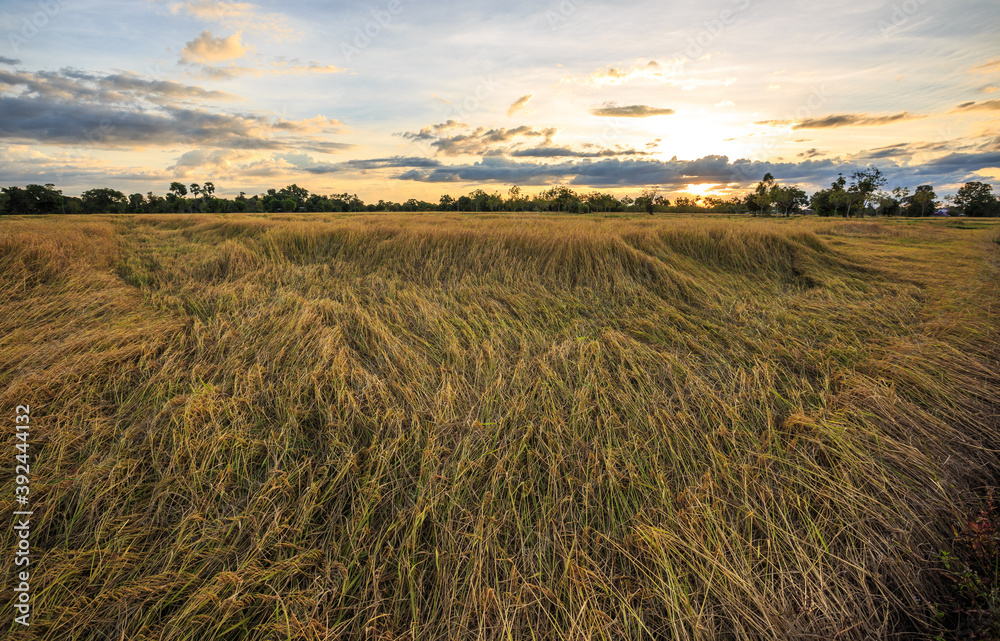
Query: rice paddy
x=496, y=426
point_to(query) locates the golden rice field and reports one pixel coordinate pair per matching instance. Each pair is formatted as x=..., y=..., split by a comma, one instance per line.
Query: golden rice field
x=508, y=427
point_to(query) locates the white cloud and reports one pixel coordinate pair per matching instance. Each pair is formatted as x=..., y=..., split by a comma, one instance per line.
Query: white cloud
x=208, y=49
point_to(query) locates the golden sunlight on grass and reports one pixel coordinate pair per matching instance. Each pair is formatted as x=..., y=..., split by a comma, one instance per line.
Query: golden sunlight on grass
x=496, y=427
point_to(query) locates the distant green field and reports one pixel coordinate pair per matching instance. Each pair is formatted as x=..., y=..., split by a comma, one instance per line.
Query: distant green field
x=505, y=426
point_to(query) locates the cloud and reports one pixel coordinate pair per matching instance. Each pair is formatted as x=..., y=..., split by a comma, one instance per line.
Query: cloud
x=21, y=164
x=209, y=10
x=519, y=142
x=290, y=163
x=678, y=174
x=811, y=153
x=983, y=142
x=298, y=70
x=989, y=105
x=614, y=172
x=959, y=161
x=372, y=164
x=200, y=158
x=207, y=49
x=276, y=69
x=619, y=75
x=72, y=84
x=988, y=67
x=98, y=124
x=899, y=150
x=477, y=142
x=279, y=68
x=631, y=111
x=519, y=104
x=9, y=61
x=159, y=91
x=842, y=120
x=431, y=132
x=563, y=152
x=237, y=16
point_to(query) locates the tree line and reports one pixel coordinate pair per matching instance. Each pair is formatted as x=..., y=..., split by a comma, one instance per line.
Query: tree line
x=862, y=194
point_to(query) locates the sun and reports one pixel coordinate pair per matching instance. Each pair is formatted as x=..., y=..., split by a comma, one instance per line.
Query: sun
x=694, y=136
x=700, y=190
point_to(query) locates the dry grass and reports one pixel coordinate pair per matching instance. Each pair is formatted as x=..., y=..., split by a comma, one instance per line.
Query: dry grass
x=495, y=427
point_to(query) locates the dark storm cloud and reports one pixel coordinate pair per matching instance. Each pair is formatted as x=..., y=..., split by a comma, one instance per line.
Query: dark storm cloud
x=72, y=84
x=477, y=142
x=674, y=173
x=616, y=172
x=396, y=162
x=964, y=162
x=504, y=142
x=125, y=110
x=73, y=123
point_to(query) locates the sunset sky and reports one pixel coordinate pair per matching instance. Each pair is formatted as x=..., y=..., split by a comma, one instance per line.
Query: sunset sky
x=416, y=98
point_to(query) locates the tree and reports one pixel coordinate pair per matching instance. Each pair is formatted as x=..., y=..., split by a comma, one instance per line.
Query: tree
x=515, y=199
x=864, y=184
x=835, y=201
x=887, y=203
x=294, y=192
x=446, y=203
x=179, y=191
x=648, y=199
x=18, y=201
x=976, y=199
x=48, y=199
x=33, y=199
x=821, y=203
x=156, y=204
x=763, y=196
x=844, y=201
x=196, y=192
x=561, y=198
x=921, y=202
x=103, y=200
x=901, y=195
x=136, y=203
x=788, y=199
